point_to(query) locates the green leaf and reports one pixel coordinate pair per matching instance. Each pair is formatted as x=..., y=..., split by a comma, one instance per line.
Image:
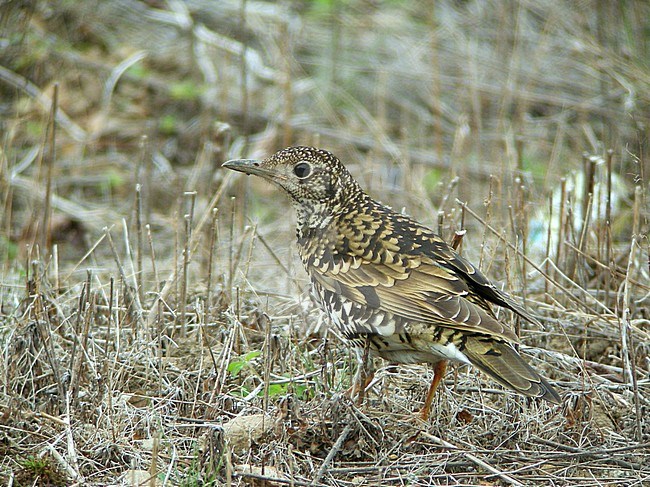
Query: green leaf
x=235, y=366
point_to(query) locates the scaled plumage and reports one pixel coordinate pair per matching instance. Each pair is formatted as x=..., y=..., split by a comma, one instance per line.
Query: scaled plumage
x=382, y=276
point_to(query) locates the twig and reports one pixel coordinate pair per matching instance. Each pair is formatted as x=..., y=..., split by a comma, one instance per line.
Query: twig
x=332, y=453
x=474, y=459
x=266, y=478
x=72, y=451
x=62, y=461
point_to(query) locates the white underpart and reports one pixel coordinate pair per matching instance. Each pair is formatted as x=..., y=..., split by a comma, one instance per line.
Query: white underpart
x=450, y=352
x=385, y=329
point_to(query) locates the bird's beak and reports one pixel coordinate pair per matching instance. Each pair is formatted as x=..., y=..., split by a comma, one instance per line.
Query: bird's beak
x=254, y=167
x=247, y=166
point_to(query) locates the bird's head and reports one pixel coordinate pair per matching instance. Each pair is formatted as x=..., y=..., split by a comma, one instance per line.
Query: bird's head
x=315, y=179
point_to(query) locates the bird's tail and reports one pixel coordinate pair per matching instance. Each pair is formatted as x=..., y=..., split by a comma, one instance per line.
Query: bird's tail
x=502, y=362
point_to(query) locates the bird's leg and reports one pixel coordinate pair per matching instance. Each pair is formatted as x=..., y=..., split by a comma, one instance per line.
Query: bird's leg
x=363, y=376
x=438, y=373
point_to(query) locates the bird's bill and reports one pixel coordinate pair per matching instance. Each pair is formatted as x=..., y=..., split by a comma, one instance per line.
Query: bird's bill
x=248, y=166
x=255, y=167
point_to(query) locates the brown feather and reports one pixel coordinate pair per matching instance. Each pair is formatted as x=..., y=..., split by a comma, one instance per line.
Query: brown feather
x=502, y=362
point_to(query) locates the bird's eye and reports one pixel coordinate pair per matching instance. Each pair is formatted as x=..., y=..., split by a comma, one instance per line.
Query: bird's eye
x=302, y=170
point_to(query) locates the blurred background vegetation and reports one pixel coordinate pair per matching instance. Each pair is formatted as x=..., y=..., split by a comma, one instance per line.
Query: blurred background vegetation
x=115, y=117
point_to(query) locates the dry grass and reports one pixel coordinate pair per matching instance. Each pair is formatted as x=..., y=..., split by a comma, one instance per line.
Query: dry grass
x=155, y=326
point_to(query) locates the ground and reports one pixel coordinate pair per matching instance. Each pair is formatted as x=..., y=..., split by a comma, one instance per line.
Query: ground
x=155, y=325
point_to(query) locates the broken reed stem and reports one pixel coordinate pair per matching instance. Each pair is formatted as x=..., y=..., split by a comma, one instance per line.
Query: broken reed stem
x=523, y=230
x=548, y=244
x=457, y=239
x=153, y=468
x=518, y=263
x=589, y=167
x=628, y=349
x=608, y=227
x=214, y=238
x=192, y=196
x=139, y=239
x=75, y=342
x=80, y=336
x=186, y=261
x=55, y=268
x=109, y=320
x=152, y=254
x=488, y=216
x=134, y=304
x=627, y=342
x=49, y=157
x=582, y=243
x=188, y=220
x=560, y=219
x=251, y=248
x=586, y=222
x=570, y=259
x=268, y=362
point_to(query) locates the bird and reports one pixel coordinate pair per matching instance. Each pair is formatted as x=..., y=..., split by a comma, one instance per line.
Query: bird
x=390, y=283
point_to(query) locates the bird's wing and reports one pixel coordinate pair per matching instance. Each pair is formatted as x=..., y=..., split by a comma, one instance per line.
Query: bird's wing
x=484, y=287
x=415, y=289
x=432, y=246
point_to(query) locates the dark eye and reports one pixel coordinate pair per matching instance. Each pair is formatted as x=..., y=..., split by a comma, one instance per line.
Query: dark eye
x=302, y=170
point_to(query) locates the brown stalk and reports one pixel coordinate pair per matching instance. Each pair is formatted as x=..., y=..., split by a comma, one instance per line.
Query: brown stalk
x=214, y=238
x=140, y=243
x=561, y=220
x=49, y=157
x=548, y=243
x=608, y=227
